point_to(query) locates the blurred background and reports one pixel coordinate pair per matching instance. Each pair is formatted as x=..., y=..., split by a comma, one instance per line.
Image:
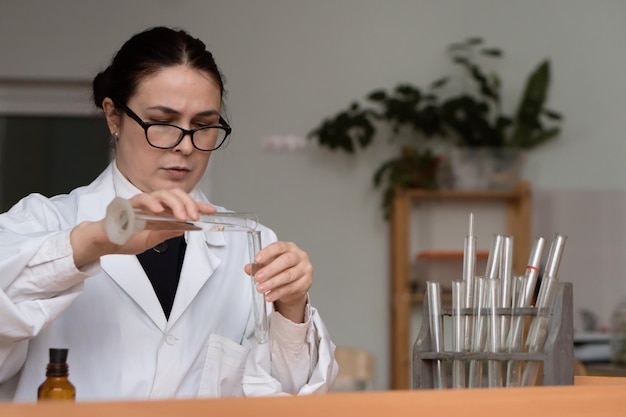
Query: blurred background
x=289, y=64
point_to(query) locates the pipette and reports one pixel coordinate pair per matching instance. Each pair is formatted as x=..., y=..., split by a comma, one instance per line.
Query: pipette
x=122, y=221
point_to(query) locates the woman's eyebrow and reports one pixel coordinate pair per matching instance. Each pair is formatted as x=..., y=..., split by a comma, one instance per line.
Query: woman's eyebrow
x=169, y=110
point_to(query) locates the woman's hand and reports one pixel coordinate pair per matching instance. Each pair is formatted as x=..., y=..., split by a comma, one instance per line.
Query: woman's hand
x=90, y=241
x=285, y=277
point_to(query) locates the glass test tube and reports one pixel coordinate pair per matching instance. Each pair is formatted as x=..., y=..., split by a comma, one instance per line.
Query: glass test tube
x=492, y=303
x=258, y=299
x=470, y=287
x=122, y=221
x=469, y=271
x=436, y=332
x=478, y=334
x=458, y=339
x=506, y=279
x=493, y=260
x=538, y=331
x=532, y=271
x=525, y=294
x=555, y=255
x=514, y=342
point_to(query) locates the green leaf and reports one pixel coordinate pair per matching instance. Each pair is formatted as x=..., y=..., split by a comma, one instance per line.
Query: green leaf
x=460, y=60
x=474, y=41
x=550, y=114
x=439, y=83
x=377, y=95
x=531, y=108
x=492, y=52
x=380, y=172
x=457, y=47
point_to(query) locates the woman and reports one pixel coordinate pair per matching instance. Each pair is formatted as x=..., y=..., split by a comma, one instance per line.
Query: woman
x=157, y=325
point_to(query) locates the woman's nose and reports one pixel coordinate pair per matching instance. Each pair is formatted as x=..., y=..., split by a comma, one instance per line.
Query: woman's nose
x=186, y=144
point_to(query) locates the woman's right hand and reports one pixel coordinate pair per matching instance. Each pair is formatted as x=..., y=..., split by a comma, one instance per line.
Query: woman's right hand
x=90, y=241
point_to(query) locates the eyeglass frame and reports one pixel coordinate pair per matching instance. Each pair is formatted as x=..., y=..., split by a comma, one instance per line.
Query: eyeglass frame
x=145, y=125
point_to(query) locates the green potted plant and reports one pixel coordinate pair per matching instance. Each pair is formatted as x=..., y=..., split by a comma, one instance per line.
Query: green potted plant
x=470, y=117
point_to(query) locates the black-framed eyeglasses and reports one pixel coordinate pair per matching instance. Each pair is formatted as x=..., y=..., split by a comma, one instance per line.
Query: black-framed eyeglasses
x=166, y=136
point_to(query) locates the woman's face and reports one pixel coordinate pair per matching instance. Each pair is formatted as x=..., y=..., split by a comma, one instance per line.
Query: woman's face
x=178, y=95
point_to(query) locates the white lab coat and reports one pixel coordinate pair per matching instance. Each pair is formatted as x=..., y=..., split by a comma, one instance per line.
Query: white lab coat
x=121, y=346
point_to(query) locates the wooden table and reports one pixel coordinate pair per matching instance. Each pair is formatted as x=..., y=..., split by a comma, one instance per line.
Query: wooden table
x=591, y=396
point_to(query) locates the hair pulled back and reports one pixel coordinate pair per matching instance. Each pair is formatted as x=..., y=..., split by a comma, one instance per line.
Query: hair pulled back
x=145, y=54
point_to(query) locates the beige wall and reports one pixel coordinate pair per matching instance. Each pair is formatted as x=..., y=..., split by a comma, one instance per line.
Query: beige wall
x=290, y=63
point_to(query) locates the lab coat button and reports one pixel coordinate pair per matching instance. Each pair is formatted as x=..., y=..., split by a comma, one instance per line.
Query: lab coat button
x=170, y=339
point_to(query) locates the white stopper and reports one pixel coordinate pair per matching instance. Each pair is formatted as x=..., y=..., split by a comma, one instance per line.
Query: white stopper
x=119, y=221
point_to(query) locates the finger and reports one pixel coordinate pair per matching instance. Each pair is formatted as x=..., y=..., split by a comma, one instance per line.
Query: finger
x=205, y=208
x=252, y=269
x=270, y=281
x=277, y=266
x=181, y=204
x=273, y=251
x=288, y=287
x=174, y=201
x=147, y=202
x=193, y=208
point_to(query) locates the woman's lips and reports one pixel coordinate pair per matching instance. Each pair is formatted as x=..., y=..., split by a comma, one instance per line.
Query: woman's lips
x=177, y=172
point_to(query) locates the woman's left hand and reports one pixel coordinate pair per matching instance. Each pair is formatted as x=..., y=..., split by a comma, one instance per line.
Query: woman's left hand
x=285, y=276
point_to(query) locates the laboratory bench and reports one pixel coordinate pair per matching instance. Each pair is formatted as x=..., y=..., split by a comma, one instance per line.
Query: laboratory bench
x=589, y=396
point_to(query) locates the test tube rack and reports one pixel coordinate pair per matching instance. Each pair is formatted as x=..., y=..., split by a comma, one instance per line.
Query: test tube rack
x=557, y=357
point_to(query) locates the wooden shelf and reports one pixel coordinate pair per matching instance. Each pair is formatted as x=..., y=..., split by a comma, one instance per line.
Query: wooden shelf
x=462, y=194
x=517, y=206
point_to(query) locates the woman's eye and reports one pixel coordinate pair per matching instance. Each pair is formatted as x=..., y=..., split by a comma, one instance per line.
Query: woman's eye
x=200, y=125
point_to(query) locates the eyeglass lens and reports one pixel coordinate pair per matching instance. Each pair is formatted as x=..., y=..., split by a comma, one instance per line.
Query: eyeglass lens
x=167, y=136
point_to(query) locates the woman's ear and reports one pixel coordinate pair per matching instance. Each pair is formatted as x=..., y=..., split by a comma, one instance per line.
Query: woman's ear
x=112, y=115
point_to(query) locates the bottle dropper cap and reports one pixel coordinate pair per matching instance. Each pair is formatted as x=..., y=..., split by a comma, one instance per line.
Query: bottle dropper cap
x=58, y=356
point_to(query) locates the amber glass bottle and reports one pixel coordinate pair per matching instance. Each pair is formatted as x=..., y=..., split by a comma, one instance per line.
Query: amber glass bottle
x=57, y=386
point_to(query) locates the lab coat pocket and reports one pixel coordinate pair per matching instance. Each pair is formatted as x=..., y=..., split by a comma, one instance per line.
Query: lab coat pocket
x=223, y=368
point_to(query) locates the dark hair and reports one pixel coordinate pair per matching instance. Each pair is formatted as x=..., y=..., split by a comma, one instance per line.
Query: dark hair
x=145, y=54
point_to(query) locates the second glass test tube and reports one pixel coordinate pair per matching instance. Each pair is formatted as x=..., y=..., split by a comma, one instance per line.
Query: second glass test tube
x=258, y=299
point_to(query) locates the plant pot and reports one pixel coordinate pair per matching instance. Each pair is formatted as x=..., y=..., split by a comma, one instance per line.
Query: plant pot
x=484, y=168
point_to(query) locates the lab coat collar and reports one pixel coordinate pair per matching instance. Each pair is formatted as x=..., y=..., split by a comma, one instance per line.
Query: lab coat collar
x=198, y=267
x=199, y=264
